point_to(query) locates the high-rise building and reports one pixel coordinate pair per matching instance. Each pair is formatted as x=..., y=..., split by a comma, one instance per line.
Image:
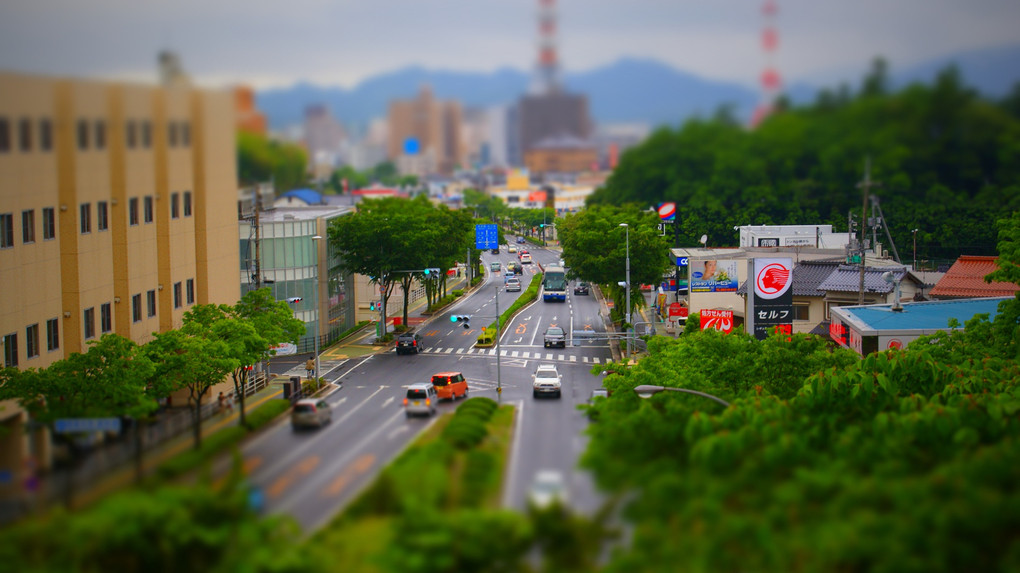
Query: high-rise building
x=324, y=136
x=118, y=211
x=425, y=135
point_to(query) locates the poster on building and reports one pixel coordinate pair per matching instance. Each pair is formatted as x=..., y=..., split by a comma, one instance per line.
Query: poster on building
x=714, y=276
x=773, y=296
x=721, y=320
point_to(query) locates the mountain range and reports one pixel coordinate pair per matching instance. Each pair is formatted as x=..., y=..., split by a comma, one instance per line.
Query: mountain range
x=630, y=90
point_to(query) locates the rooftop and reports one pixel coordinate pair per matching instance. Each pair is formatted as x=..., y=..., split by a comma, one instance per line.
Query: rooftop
x=966, y=278
x=927, y=316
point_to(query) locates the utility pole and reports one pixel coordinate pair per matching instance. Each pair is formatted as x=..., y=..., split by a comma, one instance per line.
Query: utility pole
x=258, y=230
x=867, y=184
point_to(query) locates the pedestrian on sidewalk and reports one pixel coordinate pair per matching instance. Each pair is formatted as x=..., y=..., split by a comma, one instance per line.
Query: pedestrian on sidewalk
x=230, y=402
x=221, y=402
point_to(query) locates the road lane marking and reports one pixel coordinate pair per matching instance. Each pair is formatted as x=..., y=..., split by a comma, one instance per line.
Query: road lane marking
x=573, y=358
x=460, y=351
x=388, y=401
x=360, y=466
x=399, y=430
x=283, y=482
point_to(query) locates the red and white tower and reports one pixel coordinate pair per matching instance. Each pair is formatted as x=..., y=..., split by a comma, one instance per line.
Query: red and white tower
x=547, y=69
x=771, y=82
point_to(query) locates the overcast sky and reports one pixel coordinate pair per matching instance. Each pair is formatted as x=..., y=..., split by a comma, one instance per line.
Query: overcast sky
x=341, y=42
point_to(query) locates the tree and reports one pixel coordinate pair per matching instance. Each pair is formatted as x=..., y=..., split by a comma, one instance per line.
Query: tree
x=261, y=160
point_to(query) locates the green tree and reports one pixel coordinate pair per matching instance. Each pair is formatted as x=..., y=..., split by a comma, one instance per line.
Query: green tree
x=355, y=179
x=261, y=160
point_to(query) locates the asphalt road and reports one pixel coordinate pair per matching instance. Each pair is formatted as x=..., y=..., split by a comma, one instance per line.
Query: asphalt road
x=311, y=475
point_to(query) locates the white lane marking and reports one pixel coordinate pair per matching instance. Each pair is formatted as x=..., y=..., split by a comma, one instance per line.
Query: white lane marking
x=460, y=351
x=548, y=356
x=397, y=432
x=515, y=354
x=561, y=357
x=448, y=350
x=596, y=359
x=572, y=358
x=388, y=401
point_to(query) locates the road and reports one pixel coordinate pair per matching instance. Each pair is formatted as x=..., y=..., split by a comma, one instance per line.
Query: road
x=312, y=475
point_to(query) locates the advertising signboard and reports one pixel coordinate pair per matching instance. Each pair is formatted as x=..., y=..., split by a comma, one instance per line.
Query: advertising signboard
x=714, y=276
x=773, y=296
x=721, y=320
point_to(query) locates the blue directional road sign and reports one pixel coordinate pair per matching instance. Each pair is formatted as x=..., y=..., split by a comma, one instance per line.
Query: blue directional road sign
x=486, y=237
x=74, y=425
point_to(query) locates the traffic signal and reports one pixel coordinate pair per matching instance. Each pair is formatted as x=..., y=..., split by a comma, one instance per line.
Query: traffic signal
x=463, y=319
x=371, y=305
x=430, y=272
x=294, y=299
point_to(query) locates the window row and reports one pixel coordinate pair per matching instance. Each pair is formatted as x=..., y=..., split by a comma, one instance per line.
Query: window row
x=90, y=134
x=181, y=288
x=49, y=227
x=33, y=342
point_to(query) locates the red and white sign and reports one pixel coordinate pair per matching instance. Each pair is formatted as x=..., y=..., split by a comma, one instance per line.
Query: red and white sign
x=667, y=211
x=677, y=309
x=772, y=277
x=721, y=320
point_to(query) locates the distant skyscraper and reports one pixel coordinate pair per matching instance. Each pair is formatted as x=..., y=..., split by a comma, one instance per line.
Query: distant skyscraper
x=425, y=134
x=324, y=135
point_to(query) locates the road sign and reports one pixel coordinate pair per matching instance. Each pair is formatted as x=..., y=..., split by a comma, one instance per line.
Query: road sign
x=74, y=425
x=486, y=237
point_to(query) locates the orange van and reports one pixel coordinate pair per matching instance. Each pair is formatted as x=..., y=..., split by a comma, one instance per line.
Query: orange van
x=450, y=385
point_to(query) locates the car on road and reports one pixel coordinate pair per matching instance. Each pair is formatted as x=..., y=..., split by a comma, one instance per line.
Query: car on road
x=450, y=385
x=511, y=249
x=310, y=413
x=409, y=342
x=495, y=267
x=525, y=259
x=555, y=337
x=421, y=398
x=547, y=381
x=547, y=488
x=513, y=284
x=495, y=251
x=515, y=268
x=520, y=240
x=581, y=288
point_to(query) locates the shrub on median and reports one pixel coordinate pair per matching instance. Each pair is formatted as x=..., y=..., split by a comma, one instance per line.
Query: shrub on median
x=488, y=335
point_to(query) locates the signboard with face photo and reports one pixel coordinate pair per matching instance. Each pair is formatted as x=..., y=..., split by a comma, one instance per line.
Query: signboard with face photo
x=714, y=276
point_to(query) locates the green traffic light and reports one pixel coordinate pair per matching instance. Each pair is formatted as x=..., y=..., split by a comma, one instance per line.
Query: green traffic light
x=453, y=318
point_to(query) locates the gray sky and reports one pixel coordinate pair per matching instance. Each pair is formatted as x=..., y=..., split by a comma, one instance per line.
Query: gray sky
x=341, y=42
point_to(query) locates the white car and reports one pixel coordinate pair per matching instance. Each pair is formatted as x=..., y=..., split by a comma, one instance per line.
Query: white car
x=547, y=381
x=513, y=284
x=548, y=487
x=525, y=259
x=511, y=248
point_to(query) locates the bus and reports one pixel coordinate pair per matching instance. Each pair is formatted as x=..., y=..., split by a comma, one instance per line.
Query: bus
x=554, y=284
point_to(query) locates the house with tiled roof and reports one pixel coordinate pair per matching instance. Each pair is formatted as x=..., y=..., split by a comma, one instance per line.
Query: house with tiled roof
x=966, y=279
x=842, y=287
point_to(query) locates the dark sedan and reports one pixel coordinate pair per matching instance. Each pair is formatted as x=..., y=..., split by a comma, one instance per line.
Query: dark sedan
x=581, y=288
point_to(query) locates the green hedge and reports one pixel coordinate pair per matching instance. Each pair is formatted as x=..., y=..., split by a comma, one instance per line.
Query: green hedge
x=488, y=335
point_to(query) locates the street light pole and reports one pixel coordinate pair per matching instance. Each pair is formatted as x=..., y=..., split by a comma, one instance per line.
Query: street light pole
x=315, y=297
x=646, y=391
x=914, y=232
x=627, y=229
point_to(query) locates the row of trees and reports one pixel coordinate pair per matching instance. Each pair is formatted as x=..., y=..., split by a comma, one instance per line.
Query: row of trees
x=903, y=461
x=948, y=162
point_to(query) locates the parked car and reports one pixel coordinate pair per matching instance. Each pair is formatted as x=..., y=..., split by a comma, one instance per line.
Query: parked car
x=450, y=385
x=513, y=284
x=421, y=398
x=547, y=488
x=554, y=336
x=409, y=342
x=581, y=288
x=547, y=381
x=310, y=413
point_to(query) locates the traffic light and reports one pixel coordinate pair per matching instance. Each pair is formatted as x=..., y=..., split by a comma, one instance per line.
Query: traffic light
x=371, y=305
x=463, y=319
x=294, y=299
x=430, y=272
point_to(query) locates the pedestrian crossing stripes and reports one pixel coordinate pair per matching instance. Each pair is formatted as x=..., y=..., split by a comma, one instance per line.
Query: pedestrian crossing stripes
x=536, y=355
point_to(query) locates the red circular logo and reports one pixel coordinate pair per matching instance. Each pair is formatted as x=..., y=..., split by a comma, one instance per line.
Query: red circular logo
x=772, y=280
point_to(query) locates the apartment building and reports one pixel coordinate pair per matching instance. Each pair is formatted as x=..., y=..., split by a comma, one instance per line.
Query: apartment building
x=118, y=211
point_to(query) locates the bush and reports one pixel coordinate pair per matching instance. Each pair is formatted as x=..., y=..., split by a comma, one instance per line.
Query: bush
x=478, y=468
x=478, y=405
x=465, y=431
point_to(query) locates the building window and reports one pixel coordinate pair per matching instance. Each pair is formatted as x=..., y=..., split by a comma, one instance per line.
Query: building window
x=90, y=323
x=148, y=208
x=133, y=211
x=28, y=226
x=185, y=133
x=25, y=136
x=86, y=218
x=150, y=303
x=45, y=135
x=187, y=203
x=146, y=134
x=6, y=230
x=11, y=350
x=191, y=291
x=172, y=133
x=131, y=130
x=32, y=341
x=100, y=134
x=177, y=295
x=136, y=308
x=102, y=216
x=105, y=318
x=52, y=334
x=49, y=223
x=83, y=134
x=5, y=135
x=800, y=312
x=175, y=205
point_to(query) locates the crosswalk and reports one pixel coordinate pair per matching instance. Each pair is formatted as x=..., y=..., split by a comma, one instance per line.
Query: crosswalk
x=534, y=355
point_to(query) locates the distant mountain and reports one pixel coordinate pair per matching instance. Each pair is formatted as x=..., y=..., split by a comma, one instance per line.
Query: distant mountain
x=629, y=90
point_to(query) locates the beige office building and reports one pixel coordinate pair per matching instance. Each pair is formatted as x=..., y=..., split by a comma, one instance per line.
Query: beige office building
x=118, y=212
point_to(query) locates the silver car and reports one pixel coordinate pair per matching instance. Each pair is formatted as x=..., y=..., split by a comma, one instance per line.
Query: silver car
x=310, y=413
x=513, y=284
x=421, y=398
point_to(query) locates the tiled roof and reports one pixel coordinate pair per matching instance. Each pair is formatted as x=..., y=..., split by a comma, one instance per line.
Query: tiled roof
x=847, y=278
x=966, y=278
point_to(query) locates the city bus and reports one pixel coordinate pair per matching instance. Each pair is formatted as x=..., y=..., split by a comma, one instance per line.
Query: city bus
x=554, y=284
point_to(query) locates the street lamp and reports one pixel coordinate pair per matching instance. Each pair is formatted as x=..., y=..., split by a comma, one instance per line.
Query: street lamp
x=315, y=297
x=914, y=232
x=627, y=228
x=646, y=391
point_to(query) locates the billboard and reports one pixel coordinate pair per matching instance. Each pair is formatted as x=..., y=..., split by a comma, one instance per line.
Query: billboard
x=721, y=320
x=773, y=296
x=714, y=276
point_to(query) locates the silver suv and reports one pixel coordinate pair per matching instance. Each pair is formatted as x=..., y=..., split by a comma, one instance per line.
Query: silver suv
x=547, y=381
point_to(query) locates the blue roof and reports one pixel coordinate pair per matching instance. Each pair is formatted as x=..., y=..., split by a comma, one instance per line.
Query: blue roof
x=925, y=316
x=310, y=196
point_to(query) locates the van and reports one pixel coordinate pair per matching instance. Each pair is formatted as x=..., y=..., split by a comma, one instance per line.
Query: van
x=310, y=413
x=450, y=385
x=421, y=398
